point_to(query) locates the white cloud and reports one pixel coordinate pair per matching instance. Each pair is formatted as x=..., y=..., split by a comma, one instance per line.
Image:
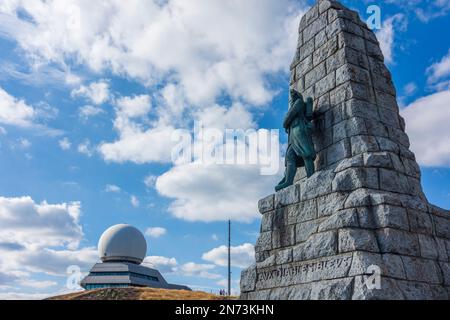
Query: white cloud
x=215, y=237
x=215, y=192
x=241, y=256
x=134, y=201
x=216, y=49
x=155, y=232
x=26, y=222
x=14, y=111
x=220, y=117
x=96, y=92
x=198, y=270
x=190, y=269
x=439, y=70
x=427, y=126
x=39, y=238
x=37, y=284
x=150, y=180
x=214, y=45
x=88, y=111
x=139, y=146
x=3, y=131
x=132, y=107
x=112, y=188
x=387, y=35
x=162, y=264
x=435, y=9
x=64, y=144
x=410, y=88
x=86, y=148
x=23, y=296
x=24, y=143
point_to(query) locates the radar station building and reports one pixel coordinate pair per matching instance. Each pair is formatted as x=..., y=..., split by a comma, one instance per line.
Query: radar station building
x=122, y=248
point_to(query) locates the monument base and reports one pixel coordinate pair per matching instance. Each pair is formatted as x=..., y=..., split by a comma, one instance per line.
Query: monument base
x=316, y=243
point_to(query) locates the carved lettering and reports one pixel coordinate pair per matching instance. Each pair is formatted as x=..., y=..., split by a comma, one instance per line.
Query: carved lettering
x=306, y=270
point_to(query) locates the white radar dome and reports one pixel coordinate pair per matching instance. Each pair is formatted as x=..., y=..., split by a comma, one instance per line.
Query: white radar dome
x=122, y=242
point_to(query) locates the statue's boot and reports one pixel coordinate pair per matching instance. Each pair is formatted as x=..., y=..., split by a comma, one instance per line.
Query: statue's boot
x=291, y=169
x=309, y=166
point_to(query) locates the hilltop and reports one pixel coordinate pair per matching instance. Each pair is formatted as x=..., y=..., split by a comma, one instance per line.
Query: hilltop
x=134, y=293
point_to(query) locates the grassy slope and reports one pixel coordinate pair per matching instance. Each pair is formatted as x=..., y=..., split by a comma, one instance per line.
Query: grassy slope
x=138, y=294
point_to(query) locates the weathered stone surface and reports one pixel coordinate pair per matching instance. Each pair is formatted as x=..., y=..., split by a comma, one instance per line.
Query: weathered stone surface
x=304, y=211
x=339, y=289
x=352, y=162
x=445, y=267
x=420, y=221
x=367, y=263
x=358, y=198
x=363, y=144
x=357, y=239
x=283, y=256
x=283, y=237
x=325, y=85
x=267, y=221
x=442, y=226
x=264, y=242
x=304, y=230
x=350, y=90
x=304, y=66
x=389, y=290
x=397, y=241
x=266, y=204
x=338, y=151
x=325, y=51
x=363, y=261
x=362, y=109
x=346, y=39
x=393, y=181
x=393, y=266
x=248, y=279
x=330, y=204
x=418, y=269
x=341, y=219
x=259, y=295
x=318, y=245
x=349, y=72
x=314, y=27
x=378, y=159
x=416, y=290
x=428, y=247
x=355, y=178
x=303, y=272
x=317, y=185
x=348, y=128
x=287, y=196
x=441, y=249
x=315, y=75
x=324, y=5
x=387, y=216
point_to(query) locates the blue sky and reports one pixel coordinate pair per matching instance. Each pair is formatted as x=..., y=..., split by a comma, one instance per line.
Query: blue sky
x=89, y=96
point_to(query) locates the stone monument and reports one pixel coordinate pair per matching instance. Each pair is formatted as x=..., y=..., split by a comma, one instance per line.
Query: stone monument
x=360, y=227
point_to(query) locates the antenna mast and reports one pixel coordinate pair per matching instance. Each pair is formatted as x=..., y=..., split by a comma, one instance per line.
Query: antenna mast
x=229, y=258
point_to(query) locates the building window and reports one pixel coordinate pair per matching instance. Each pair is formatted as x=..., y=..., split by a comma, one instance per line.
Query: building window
x=104, y=286
x=132, y=274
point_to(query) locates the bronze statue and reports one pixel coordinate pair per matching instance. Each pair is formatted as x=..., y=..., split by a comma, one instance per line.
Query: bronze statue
x=300, y=151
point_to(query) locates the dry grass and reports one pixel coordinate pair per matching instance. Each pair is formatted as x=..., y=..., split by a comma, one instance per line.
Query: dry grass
x=139, y=294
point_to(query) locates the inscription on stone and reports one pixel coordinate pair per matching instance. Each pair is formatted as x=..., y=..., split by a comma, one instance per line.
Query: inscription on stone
x=303, y=272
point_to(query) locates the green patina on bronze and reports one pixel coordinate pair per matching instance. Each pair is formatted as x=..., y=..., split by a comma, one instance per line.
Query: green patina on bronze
x=300, y=151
